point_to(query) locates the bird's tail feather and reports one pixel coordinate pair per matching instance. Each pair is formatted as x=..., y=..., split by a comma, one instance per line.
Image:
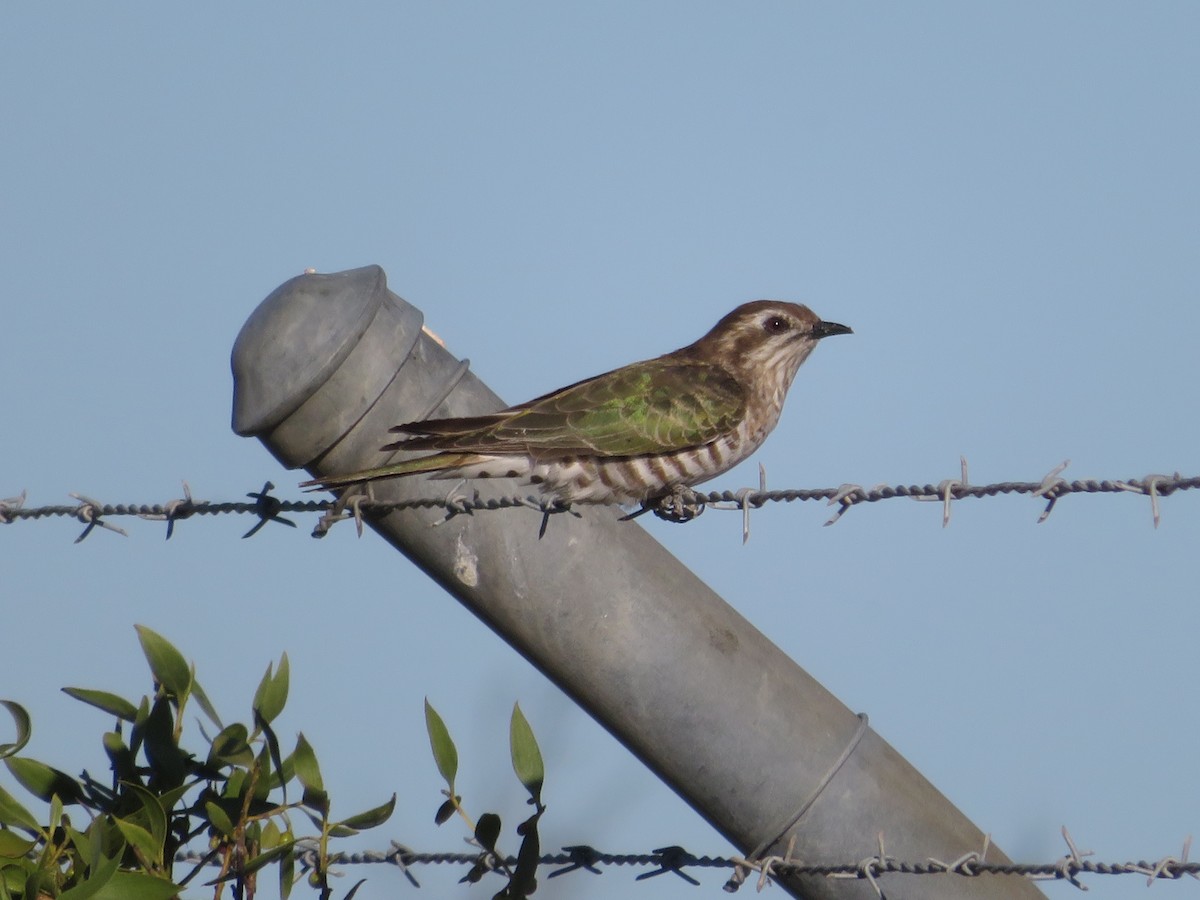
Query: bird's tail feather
x=447, y=434
x=436, y=463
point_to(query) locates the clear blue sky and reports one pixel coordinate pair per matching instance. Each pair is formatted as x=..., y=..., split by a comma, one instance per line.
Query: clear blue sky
x=1001, y=200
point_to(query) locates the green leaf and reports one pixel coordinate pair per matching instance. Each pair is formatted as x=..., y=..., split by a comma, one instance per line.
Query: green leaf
x=137, y=734
x=307, y=769
x=97, y=880
x=354, y=890
x=124, y=765
x=271, y=835
x=263, y=859
x=287, y=872
x=81, y=842
x=487, y=831
x=110, y=703
x=142, y=841
x=14, y=877
x=43, y=781
x=268, y=776
x=445, y=811
x=309, y=773
x=104, y=840
x=445, y=754
x=13, y=813
x=219, y=820
x=477, y=872
x=168, y=761
x=271, y=696
x=13, y=846
x=234, y=784
x=524, y=875
x=372, y=817
x=318, y=800
x=135, y=886
x=38, y=883
x=232, y=747
x=153, y=815
x=167, y=664
x=24, y=728
x=202, y=699
x=526, y=757
x=283, y=771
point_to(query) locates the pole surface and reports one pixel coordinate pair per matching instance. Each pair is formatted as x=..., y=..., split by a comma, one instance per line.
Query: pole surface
x=327, y=363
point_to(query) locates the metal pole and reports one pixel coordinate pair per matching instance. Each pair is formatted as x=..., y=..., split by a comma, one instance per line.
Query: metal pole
x=328, y=362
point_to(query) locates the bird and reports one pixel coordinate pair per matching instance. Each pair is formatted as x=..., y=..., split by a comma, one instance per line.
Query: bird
x=633, y=435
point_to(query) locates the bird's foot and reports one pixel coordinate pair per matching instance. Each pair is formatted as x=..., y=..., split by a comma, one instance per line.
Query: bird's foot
x=679, y=505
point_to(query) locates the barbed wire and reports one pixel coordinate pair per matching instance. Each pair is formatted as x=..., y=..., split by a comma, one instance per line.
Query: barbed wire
x=675, y=860
x=682, y=505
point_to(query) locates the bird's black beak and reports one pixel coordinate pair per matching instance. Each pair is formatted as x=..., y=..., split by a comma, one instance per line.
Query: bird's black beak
x=826, y=329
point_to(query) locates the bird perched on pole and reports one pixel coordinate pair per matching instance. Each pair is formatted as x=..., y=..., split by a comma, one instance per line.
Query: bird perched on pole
x=635, y=434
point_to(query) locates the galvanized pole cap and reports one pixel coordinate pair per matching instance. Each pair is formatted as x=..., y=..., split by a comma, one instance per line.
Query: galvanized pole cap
x=314, y=342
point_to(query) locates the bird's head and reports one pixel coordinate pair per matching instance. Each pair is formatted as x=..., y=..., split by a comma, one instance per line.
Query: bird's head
x=766, y=338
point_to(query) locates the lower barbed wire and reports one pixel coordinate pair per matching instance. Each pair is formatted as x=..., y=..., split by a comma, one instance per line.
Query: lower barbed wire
x=675, y=859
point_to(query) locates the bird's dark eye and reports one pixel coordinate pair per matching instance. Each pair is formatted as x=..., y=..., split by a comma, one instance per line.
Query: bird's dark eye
x=775, y=324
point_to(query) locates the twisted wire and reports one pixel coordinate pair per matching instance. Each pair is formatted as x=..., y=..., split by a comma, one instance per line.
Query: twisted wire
x=675, y=859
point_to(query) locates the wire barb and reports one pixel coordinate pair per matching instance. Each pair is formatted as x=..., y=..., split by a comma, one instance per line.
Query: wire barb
x=9, y=506
x=671, y=859
x=1170, y=866
x=844, y=498
x=402, y=858
x=949, y=489
x=89, y=512
x=1073, y=863
x=870, y=867
x=267, y=508
x=1150, y=485
x=174, y=510
x=962, y=865
x=582, y=857
x=1050, y=489
x=766, y=867
x=744, y=498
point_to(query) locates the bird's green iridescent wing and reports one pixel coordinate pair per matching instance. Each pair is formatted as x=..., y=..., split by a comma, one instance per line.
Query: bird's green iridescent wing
x=656, y=406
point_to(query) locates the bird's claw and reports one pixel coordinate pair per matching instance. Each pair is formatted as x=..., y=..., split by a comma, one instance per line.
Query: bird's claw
x=680, y=505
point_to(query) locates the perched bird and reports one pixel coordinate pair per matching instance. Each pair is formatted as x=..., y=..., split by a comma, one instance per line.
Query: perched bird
x=635, y=434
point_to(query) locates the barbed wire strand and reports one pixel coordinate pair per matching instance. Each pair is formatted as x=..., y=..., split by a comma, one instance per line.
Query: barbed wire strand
x=675, y=859
x=682, y=505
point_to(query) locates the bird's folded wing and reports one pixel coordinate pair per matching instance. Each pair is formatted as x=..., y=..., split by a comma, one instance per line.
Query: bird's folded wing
x=651, y=407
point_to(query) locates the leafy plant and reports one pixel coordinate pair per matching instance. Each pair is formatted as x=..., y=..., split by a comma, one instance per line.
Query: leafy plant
x=161, y=797
x=527, y=764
